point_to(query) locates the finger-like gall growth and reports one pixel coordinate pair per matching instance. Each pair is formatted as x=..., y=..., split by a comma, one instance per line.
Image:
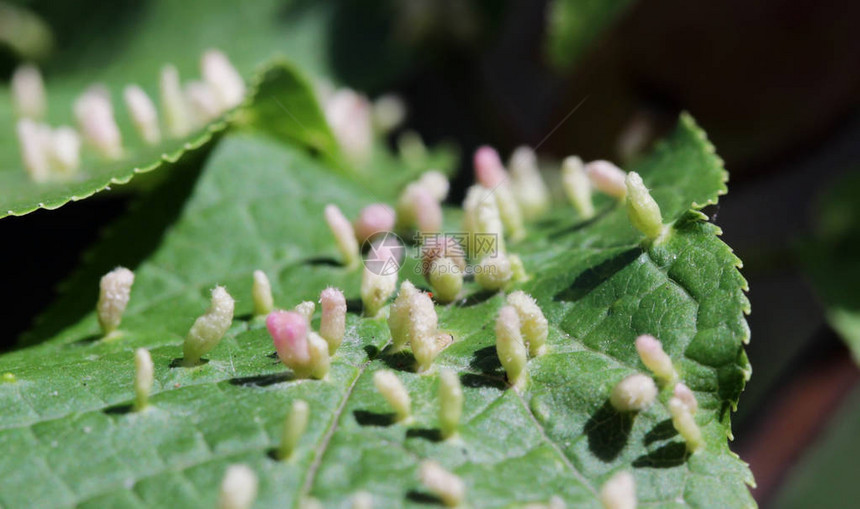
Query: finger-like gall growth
x=143, y=378
x=491, y=174
x=651, y=352
x=295, y=425
x=510, y=346
x=209, y=328
x=482, y=221
x=376, y=289
x=577, y=186
x=333, y=321
x=619, y=492
x=643, y=211
x=685, y=424
x=238, y=488
x=177, y=116
x=224, y=79
x=94, y=114
x=607, y=178
x=533, y=323
x=298, y=348
x=344, y=235
x=446, y=279
x=306, y=308
x=373, y=219
x=114, y=294
x=143, y=114
x=28, y=92
x=686, y=396
x=449, y=487
x=421, y=327
x=494, y=272
x=436, y=183
x=634, y=393
x=450, y=403
x=261, y=291
x=394, y=392
x=527, y=184
x=398, y=316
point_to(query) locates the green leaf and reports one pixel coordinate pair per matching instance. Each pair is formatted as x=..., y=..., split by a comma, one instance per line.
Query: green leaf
x=831, y=259
x=572, y=25
x=70, y=439
x=167, y=32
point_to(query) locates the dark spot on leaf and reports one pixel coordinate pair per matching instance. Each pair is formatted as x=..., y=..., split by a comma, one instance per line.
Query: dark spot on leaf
x=365, y=418
x=263, y=380
x=595, y=276
x=662, y=431
x=273, y=355
x=608, y=431
x=433, y=435
x=666, y=456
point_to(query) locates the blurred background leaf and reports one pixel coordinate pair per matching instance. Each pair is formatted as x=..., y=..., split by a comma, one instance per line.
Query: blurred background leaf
x=832, y=257
x=134, y=41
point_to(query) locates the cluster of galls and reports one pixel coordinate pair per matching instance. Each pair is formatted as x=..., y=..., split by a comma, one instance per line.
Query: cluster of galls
x=495, y=207
x=53, y=153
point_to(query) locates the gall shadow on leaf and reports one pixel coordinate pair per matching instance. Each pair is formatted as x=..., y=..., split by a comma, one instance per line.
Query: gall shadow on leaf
x=355, y=306
x=666, y=456
x=398, y=361
x=431, y=434
x=590, y=279
x=474, y=381
x=486, y=361
x=247, y=317
x=365, y=418
x=177, y=363
x=477, y=298
x=325, y=261
x=263, y=380
x=120, y=409
x=608, y=431
x=86, y=340
x=419, y=497
x=548, y=223
x=663, y=430
x=567, y=230
x=372, y=351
